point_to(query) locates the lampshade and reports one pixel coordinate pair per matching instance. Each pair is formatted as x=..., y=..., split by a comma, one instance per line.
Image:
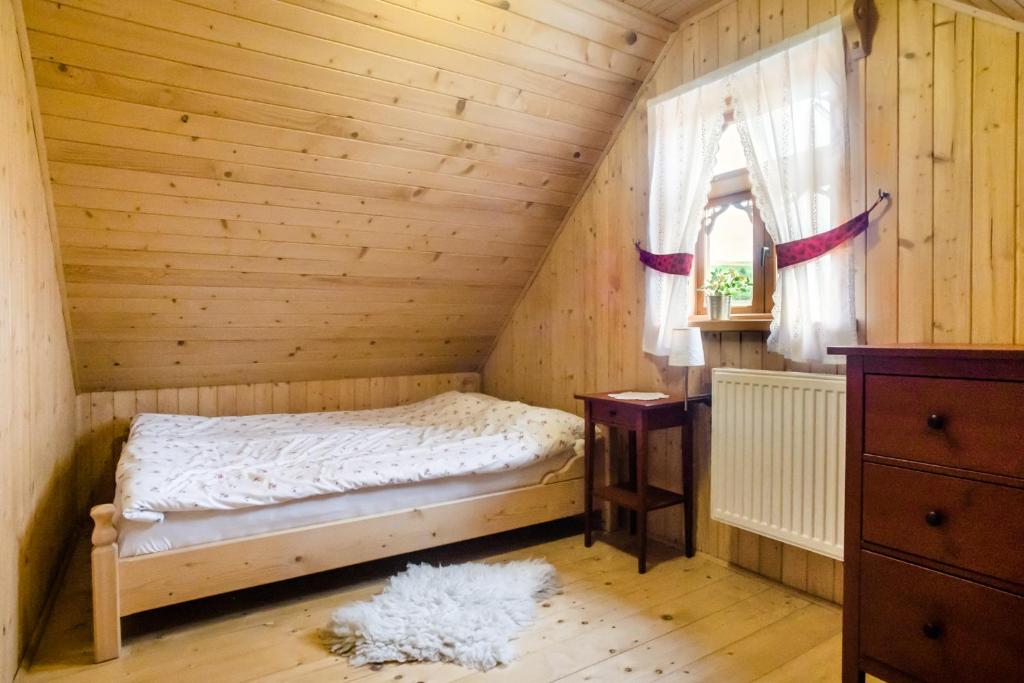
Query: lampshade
x=687, y=348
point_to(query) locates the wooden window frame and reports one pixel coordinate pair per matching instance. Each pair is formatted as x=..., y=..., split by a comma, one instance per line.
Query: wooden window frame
x=732, y=188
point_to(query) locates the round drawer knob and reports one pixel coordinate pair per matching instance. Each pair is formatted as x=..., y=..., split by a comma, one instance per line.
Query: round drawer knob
x=933, y=518
x=932, y=630
x=936, y=421
x=613, y=413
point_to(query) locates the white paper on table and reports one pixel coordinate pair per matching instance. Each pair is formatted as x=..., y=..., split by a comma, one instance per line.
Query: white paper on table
x=638, y=395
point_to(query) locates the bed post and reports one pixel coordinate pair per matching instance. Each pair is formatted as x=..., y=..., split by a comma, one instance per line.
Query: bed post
x=106, y=598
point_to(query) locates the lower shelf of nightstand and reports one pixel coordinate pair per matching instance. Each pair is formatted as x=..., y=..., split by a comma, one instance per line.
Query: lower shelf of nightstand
x=657, y=498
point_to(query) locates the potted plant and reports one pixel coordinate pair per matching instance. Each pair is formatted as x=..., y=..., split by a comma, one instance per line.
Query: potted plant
x=722, y=285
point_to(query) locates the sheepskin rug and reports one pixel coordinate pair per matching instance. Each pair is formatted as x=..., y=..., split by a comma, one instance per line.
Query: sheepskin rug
x=467, y=614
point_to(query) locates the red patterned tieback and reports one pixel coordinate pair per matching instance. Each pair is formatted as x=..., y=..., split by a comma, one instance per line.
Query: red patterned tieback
x=673, y=264
x=799, y=251
x=789, y=254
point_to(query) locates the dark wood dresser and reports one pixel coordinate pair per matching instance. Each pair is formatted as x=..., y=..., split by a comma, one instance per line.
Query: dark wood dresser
x=934, y=540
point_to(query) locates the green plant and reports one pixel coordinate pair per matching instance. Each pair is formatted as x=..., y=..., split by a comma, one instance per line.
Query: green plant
x=728, y=281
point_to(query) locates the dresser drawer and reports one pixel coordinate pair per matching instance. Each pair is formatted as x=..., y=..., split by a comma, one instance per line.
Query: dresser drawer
x=960, y=522
x=969, y=424
x=938, y=628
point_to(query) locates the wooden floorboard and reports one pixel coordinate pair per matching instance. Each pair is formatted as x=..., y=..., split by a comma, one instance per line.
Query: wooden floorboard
x=686, y=619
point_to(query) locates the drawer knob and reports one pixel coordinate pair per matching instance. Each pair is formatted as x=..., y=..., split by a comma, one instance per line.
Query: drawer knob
x=936, y=421
x=613, y=413
x=932, y=630
x=934, y=518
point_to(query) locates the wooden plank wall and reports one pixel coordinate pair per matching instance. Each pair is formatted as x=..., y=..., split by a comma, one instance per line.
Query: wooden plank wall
x=291, y=190
x=941, y=100
x=37, y=396
x=103, y=417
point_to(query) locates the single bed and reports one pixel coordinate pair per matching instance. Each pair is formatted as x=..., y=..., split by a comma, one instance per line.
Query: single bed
x=209, y=505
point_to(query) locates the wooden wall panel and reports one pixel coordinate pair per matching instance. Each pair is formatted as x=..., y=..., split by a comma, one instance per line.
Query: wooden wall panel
x=994, y=145
x=103, y=417
x=951, y=296
x=916, y=160
x=1019, y=333
x=881, y=156
x=37, y=399
x=939, y=264
x=370, y=182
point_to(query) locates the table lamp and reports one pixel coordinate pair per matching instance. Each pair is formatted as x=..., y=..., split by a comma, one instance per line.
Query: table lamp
x=687, y=351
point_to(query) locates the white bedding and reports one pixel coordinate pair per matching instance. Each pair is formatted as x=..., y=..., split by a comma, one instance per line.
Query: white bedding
x=186, y=529
x=179, y=463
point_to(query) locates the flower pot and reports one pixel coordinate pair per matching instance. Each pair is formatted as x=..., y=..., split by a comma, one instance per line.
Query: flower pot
x=719, y=306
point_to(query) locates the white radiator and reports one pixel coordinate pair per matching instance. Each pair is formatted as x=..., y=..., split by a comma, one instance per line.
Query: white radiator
x=777, y=455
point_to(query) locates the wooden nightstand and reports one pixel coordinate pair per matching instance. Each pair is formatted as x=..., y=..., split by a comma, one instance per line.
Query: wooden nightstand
x=636, y=495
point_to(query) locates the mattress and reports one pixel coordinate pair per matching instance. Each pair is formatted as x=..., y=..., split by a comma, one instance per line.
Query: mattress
x=190, y=463
x=185, y=529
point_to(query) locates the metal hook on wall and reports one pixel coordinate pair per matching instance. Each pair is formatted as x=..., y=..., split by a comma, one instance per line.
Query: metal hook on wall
x=882, y=196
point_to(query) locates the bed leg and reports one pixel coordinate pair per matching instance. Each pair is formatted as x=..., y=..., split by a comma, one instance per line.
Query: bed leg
x=106, y=597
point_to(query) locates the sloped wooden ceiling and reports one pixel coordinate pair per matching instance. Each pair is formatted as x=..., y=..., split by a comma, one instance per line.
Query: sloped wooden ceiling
x=1012, y=9
x=673, y=10
x=678, y=10
x=264, y=190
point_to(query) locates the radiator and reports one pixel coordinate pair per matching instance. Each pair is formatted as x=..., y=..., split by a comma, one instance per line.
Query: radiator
x=777, y=455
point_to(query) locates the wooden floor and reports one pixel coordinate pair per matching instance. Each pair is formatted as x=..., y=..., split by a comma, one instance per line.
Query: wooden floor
x=685, y=620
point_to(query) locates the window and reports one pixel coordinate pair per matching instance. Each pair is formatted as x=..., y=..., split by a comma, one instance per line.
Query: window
x=732, y=233
x=790, y=102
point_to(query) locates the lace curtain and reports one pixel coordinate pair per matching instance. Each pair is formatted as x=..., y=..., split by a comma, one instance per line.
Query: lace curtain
x=683, y=136
x=791, y=113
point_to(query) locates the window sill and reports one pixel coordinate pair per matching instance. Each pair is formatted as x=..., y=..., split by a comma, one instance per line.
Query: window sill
x=739, y=322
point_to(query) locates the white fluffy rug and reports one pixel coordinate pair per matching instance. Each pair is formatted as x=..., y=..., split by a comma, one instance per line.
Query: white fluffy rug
x=467, y=614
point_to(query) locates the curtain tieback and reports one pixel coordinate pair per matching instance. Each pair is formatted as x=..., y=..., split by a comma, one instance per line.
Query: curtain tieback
x=788, y=254
x=802, y=250
x=673, y=264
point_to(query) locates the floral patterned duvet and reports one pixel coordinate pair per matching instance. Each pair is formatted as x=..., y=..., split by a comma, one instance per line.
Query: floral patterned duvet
x=174, y=463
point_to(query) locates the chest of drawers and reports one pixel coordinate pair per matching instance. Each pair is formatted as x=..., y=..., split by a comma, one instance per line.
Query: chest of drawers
x=934, y=536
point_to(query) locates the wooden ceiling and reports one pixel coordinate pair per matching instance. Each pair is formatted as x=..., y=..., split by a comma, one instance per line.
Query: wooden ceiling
x=265, y=190
x=275, y=190
x=679, y=10
x=673, y=10
x=1012, y=9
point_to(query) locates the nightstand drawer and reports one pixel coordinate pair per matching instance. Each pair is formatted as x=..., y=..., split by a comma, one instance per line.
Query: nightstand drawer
x=616, y=415
x=967, y=424
x=938, y=628
x=955, y=521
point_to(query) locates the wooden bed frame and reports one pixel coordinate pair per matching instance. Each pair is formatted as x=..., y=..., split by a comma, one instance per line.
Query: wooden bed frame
x=123, y=586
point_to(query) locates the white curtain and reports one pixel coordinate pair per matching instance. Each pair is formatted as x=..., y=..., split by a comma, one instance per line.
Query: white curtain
x=683, y=138
x=791, y=112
